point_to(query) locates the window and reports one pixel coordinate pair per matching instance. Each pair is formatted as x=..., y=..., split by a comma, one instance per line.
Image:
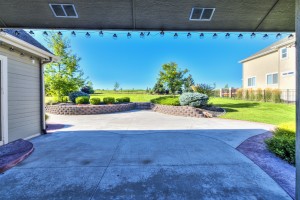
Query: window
x=287, y=73
x=284, y=53
x=251, y=82
x=272, y=78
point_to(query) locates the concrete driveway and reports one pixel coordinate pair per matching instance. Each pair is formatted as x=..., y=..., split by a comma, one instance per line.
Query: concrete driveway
x=141, y=155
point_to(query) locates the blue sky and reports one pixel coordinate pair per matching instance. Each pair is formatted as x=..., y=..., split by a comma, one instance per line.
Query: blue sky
x=136, y=62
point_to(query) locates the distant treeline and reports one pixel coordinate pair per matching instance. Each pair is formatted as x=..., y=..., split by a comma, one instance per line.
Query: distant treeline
x=120, y=91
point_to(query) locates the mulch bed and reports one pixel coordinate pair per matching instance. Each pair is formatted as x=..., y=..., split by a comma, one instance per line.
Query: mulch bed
x=281, y=171
x=13, y=153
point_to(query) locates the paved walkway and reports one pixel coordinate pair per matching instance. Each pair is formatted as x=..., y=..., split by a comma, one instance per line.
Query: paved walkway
x=141, y=155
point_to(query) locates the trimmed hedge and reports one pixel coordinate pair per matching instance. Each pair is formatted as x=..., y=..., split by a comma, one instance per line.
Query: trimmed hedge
x=123, y=100
x=193, y=99
x=168, y=100
x=283, y=143
x=95, y=101
x=82, y=100
x=109, y=100
x=74, y=95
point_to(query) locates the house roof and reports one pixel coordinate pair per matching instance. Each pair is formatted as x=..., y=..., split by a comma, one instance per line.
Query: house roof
x=23, y=35
x=272, y=48
x=167, y=15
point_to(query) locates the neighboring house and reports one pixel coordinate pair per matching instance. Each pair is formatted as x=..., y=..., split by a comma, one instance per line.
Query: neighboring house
x=22, y=92
x=272, y=67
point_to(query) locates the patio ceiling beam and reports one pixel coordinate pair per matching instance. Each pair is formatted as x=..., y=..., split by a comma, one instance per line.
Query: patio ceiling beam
x=263, y=19
x=133, y=15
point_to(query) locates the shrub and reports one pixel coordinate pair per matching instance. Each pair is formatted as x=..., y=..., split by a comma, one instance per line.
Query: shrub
x=95, y=101
x=74, y=95
x=123, y=100
x=283, y=143
x=239, y=94
x=276, y=95
x=168, y=100
x=268, y=94
x=247, y=97
x=193, y=99
x=259, y=94
x=82, y=100
x=109, y=100
x=87, y=89
x=251, y=95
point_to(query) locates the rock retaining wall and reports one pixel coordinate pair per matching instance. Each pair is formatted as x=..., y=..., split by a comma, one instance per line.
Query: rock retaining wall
x=185, y=111
x=67, y=109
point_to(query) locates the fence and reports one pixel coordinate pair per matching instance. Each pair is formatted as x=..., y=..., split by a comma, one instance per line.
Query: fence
x=266, y=95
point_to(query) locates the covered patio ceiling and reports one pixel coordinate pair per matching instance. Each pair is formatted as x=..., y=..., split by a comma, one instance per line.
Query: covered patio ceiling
x=168, y=15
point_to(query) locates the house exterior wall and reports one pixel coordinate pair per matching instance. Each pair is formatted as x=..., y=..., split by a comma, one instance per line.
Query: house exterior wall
x=288, y=65
x=24, y=110
x=271, y=63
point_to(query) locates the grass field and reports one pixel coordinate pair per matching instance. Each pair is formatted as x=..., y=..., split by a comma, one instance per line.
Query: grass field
x=140, y=97
x=270, y=113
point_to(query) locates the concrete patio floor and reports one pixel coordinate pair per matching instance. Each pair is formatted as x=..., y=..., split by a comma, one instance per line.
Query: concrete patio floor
x=141, y=155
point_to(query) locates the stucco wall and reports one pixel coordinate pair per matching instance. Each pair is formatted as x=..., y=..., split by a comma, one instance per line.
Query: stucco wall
x=23, y=96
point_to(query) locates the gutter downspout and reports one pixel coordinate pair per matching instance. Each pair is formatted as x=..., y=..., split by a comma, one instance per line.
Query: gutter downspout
x=42, y=95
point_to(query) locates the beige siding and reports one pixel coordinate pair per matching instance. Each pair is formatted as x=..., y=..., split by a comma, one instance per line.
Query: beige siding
x=288, y=65
x=23, y=96
x=259, y=68
x=271, y=63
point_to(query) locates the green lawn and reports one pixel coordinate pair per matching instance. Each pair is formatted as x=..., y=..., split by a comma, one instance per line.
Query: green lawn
x=133, y=97
x=270, y=113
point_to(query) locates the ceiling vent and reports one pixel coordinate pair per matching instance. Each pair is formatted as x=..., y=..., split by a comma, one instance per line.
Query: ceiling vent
x=202, y=14
x=64, y=10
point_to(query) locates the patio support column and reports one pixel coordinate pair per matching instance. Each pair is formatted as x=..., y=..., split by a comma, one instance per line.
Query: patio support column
x=297, y=30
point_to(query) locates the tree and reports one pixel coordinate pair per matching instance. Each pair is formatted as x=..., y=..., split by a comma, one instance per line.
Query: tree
x=87, y=89
x=204, y=89
x=226, y=86
x=159, y=88
x=64, y=76
x=172, y=76
x=188, y=83
x=116, y=86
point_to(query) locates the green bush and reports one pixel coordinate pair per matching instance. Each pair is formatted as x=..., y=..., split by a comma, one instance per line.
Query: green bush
x=82, y=100
x=283, y=143
x=95, y=101
x=251, y=95
x=123, y=100
x=239, y=94
x=74, y=95
x=109, y=100
x=268, y=94
x=247, y=96
x=259, y=94
x=193, y=99
x=276, y=96
x=168, y=100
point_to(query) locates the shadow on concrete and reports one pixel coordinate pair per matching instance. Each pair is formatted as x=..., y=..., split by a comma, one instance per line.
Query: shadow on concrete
x=140, y=164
